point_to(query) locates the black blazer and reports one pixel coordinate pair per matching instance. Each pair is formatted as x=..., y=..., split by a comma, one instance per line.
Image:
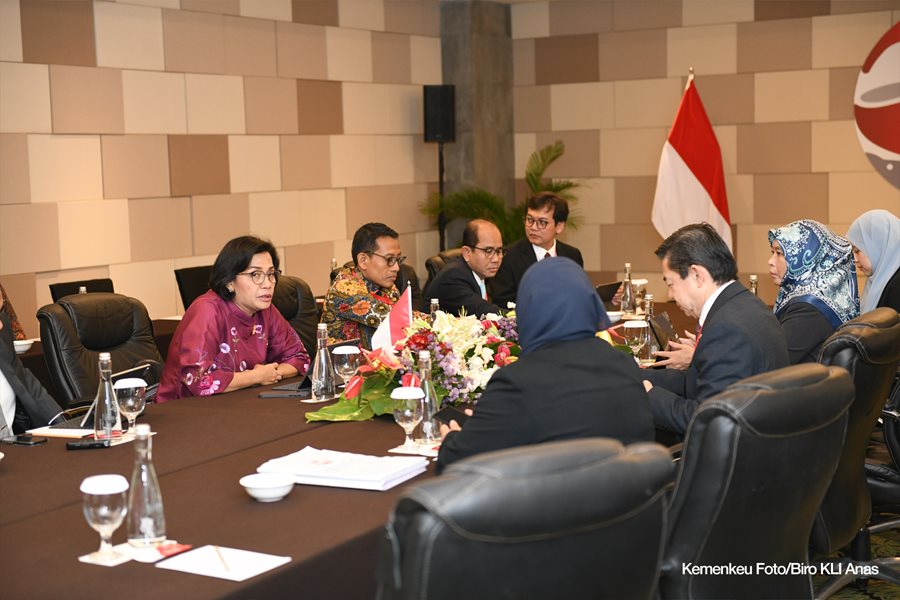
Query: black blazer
x=565, y=390
x=741, y=337
x=455, y=288
x=519, y=256
x=34, y=406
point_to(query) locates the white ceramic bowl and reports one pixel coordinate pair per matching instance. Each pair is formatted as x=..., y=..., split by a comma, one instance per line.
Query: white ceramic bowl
x=268, y=487
x=22, y=346
x=614, y=315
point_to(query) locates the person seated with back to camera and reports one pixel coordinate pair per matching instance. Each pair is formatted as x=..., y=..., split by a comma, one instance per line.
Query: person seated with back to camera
x=739, y=336
x=567, y=383
x=545, y=219
x=232, y=337
x=875, y=236
x=362, y=295
x=24, y=403
x=813, y=269
x=461, y=284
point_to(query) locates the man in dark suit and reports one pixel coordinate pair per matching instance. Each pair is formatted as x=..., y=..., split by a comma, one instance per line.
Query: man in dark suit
x=545, y=219
x=461, y=283
x=24, y=403
x=739, y=335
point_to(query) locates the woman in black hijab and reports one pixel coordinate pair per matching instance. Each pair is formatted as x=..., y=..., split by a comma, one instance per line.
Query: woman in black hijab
x=567, y=382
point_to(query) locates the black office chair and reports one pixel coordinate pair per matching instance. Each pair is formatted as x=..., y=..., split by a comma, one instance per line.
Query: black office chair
x=869, y=348
x=757, y=460
x=193, y=282
x=437, y=262
x=77, y=328
x=61, y=290
x=294, y=300
x=572, y=519
x=883, y=470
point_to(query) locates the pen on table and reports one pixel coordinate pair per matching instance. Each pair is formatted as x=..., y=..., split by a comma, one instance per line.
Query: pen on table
x=222, y=559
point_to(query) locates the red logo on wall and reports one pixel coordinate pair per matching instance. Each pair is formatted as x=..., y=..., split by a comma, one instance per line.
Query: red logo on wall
x=876, y=106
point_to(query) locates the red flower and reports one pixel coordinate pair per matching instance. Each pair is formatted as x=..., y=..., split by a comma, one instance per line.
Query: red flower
x=410, y=380
x=353, y=387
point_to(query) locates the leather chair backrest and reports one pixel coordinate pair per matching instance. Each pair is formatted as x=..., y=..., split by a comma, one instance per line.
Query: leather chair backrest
x=61, y=290
x=757, y=460
x=571, y=519
x=193, y=282
x=77, y=328
x=437, y=262
x=295, y=301
x=869, y=348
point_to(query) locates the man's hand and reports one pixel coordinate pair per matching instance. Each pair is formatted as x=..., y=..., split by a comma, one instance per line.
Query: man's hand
x=679, y=355
x=453, y=425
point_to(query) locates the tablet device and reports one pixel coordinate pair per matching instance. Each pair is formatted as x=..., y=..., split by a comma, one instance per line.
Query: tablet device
x=662, y=328
x=607, y=291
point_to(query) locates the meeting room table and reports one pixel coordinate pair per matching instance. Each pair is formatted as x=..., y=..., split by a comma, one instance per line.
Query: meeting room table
x=201, y=448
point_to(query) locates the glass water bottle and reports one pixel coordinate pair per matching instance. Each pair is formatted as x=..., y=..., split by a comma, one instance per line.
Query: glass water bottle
x=653, y=345
x=323, y=370
x=754, y=285
x=627, y=304
x=107, y=422
x=433, y=308
x=146, y=520
x=430, y=429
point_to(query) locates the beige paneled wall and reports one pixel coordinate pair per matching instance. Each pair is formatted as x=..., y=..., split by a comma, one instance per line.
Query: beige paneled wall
x=776, y=77
x=137, y=136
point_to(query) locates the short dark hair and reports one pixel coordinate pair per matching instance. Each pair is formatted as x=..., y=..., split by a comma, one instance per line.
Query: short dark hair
x=366, y=238
x=470, y=233
x=233, y=258
x=544, y=199
x=698, y=244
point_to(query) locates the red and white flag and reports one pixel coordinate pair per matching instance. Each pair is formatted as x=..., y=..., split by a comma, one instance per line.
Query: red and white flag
x=393, y=327
x=690, y=187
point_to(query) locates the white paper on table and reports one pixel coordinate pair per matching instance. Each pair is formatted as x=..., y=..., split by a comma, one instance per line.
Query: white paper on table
x=60, y=433
x=119, y=560
x=224, y=563
x=345, y=469
x=429, y=450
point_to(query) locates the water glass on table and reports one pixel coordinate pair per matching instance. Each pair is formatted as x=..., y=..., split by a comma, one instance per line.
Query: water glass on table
x=346, y=361
x=104, y=506
x=408, y=411
x=637, y=335
x=130, y=396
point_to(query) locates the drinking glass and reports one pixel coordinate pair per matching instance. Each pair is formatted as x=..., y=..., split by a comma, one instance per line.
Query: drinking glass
x=130, y=394
x=346, y=361
x=408, y=412
x=637, y=334
x=105, y=505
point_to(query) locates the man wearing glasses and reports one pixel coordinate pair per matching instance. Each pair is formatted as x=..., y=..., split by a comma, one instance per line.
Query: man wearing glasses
x=362, y=295
x=461, y=284
x=545, y=219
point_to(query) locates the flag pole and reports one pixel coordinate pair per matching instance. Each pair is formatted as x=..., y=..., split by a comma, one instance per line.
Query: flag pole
x=690, y=78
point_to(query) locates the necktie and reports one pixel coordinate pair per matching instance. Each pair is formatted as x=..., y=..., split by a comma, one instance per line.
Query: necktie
x=699, y=333
x=546, y=255
x=483, y=289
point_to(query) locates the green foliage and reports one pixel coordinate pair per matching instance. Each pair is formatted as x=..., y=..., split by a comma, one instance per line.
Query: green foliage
x=477, y=203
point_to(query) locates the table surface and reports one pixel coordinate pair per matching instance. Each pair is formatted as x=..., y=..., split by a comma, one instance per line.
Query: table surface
x=202, y=448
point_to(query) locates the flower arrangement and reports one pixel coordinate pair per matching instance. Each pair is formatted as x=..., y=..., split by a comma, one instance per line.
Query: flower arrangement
x=465, y=351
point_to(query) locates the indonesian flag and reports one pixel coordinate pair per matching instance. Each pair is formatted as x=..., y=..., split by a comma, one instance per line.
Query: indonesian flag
x=690, y=187
x=393, y=327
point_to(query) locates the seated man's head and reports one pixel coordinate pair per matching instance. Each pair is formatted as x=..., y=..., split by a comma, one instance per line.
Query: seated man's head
x=482, y=247
x=695, y=262
x=376, y=253
x=545, y=218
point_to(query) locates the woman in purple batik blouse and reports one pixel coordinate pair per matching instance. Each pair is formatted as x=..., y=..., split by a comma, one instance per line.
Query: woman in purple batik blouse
x=232, y=337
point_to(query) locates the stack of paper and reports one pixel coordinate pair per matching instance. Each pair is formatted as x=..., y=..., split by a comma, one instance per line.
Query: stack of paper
x=344, y=469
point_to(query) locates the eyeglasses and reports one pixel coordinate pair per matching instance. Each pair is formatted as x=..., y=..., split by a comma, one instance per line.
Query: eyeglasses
x=258, y=277
x=492, y=252
x=390, y=260
x=540, y=224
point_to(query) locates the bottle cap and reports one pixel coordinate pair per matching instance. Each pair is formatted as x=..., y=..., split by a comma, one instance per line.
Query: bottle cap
x=321, y=326
x=648, y=297
x=105, y=356
x=142, y=430
x=424, y=354
x=754, y=278
x=82, y=289
x=627, y=265
x=434, y=301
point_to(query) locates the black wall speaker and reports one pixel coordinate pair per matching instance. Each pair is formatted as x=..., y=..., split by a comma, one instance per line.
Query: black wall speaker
x=440, y=120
